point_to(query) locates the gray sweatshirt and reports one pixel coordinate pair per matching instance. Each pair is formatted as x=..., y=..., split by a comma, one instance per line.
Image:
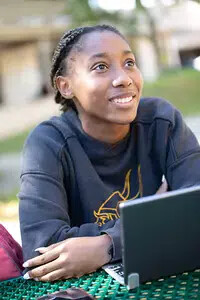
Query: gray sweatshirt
x=72, y=184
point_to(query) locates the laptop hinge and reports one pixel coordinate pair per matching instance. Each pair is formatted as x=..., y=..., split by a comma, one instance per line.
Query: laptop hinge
x=133, y=281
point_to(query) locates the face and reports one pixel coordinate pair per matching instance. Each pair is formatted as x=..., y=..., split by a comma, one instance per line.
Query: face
x=104, y=80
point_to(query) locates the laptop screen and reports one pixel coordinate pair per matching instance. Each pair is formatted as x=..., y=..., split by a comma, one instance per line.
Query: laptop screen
x=161, y=234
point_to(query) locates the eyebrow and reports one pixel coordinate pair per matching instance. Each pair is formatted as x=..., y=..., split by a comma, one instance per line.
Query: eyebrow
x=104, y=54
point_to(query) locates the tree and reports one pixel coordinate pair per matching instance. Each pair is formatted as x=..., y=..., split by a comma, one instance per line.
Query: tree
x=82, y=13
x=153, y=31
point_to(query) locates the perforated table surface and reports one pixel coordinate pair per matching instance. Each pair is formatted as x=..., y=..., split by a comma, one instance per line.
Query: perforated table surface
x=102, y=286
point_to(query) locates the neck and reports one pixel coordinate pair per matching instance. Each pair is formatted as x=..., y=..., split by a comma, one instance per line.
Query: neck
x=105, y=132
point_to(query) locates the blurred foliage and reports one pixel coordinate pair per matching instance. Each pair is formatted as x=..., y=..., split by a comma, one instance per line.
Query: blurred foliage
x=14, y=143
x=181, y=87
x=83, y=13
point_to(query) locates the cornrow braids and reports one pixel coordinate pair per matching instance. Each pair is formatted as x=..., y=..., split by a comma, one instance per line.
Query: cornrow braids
x=59, y=66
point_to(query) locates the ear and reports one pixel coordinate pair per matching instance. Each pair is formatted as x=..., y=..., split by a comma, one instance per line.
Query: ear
x=63, y=85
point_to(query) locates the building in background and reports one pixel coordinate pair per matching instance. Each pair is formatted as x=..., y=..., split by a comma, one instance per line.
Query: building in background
x=180, y=34
x=177, y=32
x=29, y=31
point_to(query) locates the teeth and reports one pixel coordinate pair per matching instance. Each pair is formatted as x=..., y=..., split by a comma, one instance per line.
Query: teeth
x=122, y=100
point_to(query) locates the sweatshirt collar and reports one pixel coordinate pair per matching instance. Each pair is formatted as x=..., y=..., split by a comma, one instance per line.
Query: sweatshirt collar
x=94, y=148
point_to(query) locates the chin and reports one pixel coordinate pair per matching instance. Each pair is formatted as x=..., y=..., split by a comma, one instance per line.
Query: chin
x=125, y=120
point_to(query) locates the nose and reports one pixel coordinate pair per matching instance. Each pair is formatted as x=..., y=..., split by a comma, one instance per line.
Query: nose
x=122, y=80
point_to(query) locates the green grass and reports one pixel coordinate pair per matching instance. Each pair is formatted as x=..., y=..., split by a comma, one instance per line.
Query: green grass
x=14, y=143
x=9, y=197
x=180, y=87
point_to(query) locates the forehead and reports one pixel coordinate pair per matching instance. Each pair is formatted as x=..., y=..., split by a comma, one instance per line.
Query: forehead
x=103, y=42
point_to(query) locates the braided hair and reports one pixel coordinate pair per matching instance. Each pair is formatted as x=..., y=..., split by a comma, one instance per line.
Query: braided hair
x=59, y=67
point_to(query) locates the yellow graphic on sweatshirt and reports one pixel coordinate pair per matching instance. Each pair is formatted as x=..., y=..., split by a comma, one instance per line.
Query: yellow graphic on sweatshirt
x=109, y=210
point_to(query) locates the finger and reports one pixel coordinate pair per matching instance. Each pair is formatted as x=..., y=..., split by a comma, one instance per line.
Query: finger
x=45, y=269
x=41, y=249
x=41, y=259
x=45, y=249
x=55, y=245
x=54, y=275
x=163, y=188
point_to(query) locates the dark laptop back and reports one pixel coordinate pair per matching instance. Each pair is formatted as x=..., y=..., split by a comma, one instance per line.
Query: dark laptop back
x=161, y=234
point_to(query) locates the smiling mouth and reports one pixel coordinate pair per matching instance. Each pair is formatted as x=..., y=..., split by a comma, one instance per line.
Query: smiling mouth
x=123, y=100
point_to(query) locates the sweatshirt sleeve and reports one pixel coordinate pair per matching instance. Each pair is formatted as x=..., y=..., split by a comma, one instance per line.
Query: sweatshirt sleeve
x=183, y=155
x=43, y=208
x=114, y=234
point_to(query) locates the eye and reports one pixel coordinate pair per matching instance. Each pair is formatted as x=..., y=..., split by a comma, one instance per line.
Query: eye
x=130, y=63
x=100, y=67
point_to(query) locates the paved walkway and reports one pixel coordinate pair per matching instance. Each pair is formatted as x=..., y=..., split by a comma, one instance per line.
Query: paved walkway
x=194, y=124
x=15, y=119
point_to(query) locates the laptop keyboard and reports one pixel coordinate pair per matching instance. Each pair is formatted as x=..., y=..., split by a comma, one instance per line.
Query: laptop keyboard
x=116, y=270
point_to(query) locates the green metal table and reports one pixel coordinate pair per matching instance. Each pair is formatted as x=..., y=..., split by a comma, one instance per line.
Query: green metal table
x=103, y=286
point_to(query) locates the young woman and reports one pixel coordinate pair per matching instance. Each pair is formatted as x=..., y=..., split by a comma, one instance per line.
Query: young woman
x=108, y=146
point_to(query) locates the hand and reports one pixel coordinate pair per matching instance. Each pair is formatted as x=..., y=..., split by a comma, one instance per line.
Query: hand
x=163, y=188
x=73, y=257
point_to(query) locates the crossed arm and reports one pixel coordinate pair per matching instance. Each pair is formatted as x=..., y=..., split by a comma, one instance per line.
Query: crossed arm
x=72, y=257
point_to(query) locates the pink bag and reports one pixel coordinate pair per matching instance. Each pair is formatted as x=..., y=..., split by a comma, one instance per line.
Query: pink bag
x=11, y=258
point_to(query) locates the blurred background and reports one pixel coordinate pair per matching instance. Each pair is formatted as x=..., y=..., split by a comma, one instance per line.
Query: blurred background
x=164, y=35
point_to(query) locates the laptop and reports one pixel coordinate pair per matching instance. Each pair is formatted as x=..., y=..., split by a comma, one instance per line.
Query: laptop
x=160, y=237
